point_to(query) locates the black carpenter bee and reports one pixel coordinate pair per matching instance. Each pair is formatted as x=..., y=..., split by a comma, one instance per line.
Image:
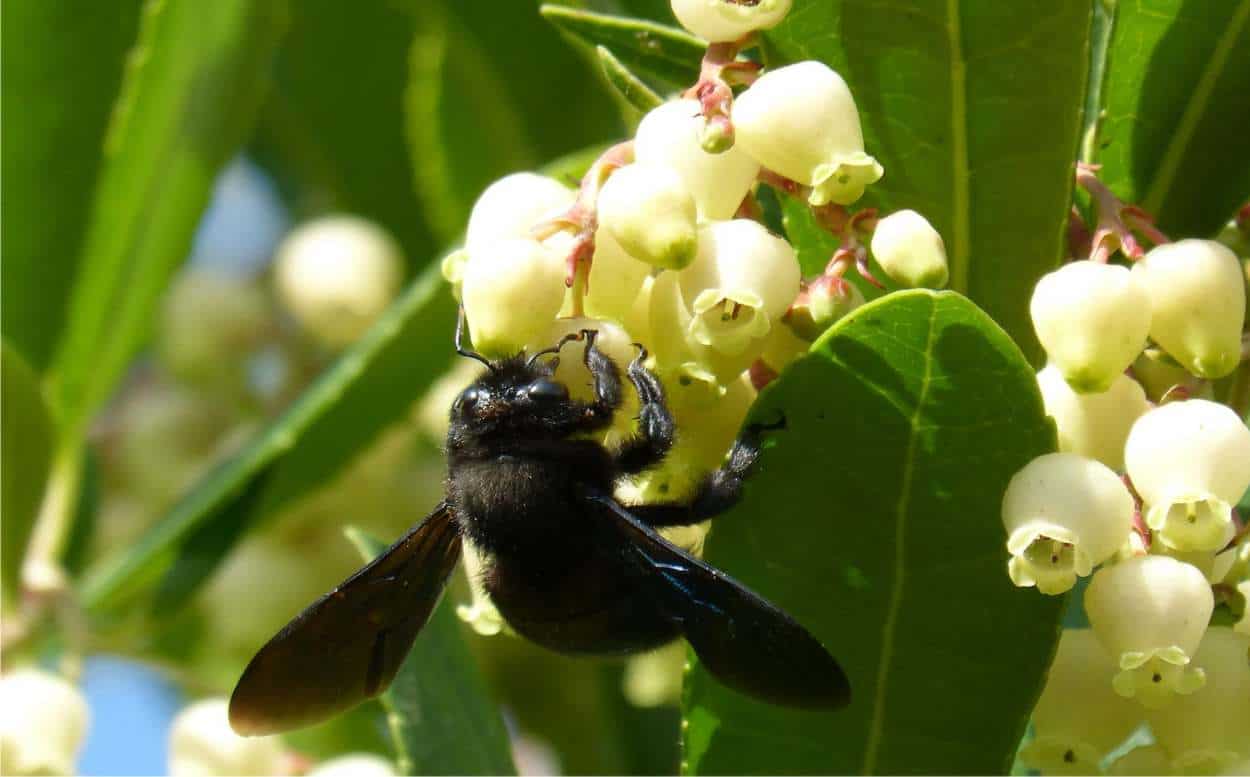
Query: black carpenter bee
x=569, y=567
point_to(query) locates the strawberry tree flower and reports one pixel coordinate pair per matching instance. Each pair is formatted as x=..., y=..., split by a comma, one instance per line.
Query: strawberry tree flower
x=649, y=211
x=1149, y=612
x=43, y=720
x=910, y=250
x=1206, y=731
x=335, y=275
x=1198, y=300
x=670, y=136
x=1093, y=425
x=615, y=279
x=1190, y=461
x=202, y=744
x=801, y=121
x=512, y=291
x=722, y=21
x=1079, y=719
x=1064, y=515
x=513, y=205
x=354, y=765
x=1092, y=319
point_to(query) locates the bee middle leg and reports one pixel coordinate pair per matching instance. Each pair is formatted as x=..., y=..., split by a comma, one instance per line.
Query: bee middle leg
x=720, y=490
x=656, y=429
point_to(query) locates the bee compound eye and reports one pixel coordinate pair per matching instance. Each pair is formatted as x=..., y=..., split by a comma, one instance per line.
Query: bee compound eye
x=545, y=390
x=468, y=398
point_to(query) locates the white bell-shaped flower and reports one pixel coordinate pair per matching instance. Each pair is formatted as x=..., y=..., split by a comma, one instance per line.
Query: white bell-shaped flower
x=1093, y=425
x=335, y=275
x=669, y=136
x=1079, y=719
x=1149, y=612
x=1092, y=319
x=651, y=213
x=202, y=744
x=1064, y=515
x=721, y=21
x=514, y=205
x=1209, y=730
x=910, y=250
x=741, y=281
x=782, y=346
x=1190, y=461
x=1198, y=302
x=354, y=765
x=615, y=279
x=512, y=292
x=801, y=121
x=43, y=720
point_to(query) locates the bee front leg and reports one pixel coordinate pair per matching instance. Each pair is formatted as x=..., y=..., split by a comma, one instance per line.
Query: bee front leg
x=656, y=429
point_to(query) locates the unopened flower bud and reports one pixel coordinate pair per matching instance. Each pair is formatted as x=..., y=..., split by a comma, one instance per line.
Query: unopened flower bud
x=1093, y=425
x=1149, y=612
x=1079, y=719
x=514, y=205
x=1092, y=319
x=43, y=720
x=202, y=744
x=1206, y=731
x=512, y=292
x=615, y=279
x=720, y=21
x=801, y=121
x=821, y=304
x=1064, y=515
x=1198, y=302
x=670, y=136
x=910, y=250
x=336, y=275
x=354, y=765
x=1190, y=461
x=649, y=211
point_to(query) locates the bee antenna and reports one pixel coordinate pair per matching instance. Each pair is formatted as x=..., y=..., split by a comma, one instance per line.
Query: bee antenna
x=460, y=349
x=555, y=348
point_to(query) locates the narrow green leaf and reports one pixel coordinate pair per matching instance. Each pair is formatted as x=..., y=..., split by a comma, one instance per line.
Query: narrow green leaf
x=1101, y=27
x=192, y=85
x=630, y=86
x=368, y=388
x=61, y=64
x=667, y=53
x=874, y=520
x=439, y=711
x=1177, y=107
x=25, y=457
x=974, y=108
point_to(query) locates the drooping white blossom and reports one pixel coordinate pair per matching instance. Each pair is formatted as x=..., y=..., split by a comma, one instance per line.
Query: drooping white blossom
x=651, y=213
x=202, y=744
x=43, y=720
x=512, y=291
x=1094, y=425
x=910, y=250
x=718, y=21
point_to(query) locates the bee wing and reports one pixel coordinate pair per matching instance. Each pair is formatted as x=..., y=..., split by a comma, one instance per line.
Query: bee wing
x=347, y=646
x=744, y=640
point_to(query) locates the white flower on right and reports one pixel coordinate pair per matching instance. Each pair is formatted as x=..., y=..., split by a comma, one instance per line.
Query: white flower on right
x=910, y=250
x=43, y=720
x=1092, y=319
x=1190, y=461
x=1150, y=612
x=1064, y=515
x=512, y=292
x=719, y=21
x=1199, y=301
x=1095, y=425
x=801, y=121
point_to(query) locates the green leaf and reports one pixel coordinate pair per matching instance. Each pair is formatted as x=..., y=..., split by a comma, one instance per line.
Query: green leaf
x=192, y=85
x=628, y=85
x=874, y=520
x=440, y=714
x=1177, y=106
x=666, y=53
x=974, y=109
x=61, y=62
x=369, y=387
x=25, y=457
x=332, y=128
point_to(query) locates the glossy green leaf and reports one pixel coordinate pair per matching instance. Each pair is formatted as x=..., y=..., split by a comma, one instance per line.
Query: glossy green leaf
x=439, y=711
x=974, y=109
x=1177, y=106
x=666, y=53
x=61, y=64
x=874, y=520
x=628, y=85
x=332, y=128
x=25, y=456
x=192, y=84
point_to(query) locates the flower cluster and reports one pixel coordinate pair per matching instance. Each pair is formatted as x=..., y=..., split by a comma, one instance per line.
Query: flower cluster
x=1146, y=484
